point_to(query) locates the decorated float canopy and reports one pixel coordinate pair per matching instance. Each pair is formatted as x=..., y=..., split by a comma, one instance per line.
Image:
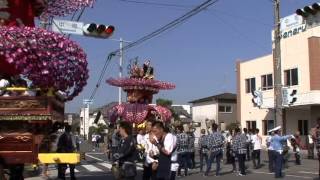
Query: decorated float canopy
x=47, y=59
x=138, y=113
x=65, y=7
x=140, y=88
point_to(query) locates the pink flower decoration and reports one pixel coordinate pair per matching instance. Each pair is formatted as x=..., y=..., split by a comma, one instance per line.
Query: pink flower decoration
x=138, y=113
x=46, y=58
x=142, y=84
x=65, y=7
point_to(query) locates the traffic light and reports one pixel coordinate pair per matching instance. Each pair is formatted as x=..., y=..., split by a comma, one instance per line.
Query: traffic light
x=309, y=10
x=289, y=96
x=98, y=31
x=292, y=96
x=302, y=13
x=316, y=6
x=257, y=99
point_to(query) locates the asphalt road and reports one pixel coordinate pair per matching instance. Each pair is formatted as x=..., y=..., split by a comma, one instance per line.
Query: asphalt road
x=96, y=166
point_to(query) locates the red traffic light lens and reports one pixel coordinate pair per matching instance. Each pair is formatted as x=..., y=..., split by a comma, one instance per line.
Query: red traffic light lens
x=109, y=29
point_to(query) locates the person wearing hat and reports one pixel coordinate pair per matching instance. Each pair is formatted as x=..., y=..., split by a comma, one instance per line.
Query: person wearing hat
x=276, y=144
x=270, y=151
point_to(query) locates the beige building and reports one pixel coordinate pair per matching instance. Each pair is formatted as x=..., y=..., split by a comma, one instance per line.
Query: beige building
x=221, y=109
x=300, y=53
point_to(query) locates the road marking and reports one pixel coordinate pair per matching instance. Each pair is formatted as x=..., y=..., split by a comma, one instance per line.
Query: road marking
x=94, y=157
x=95, y=153
x=68, y=171
x=107, y=165
x=307, y=172
x=287, y=175
x=92, y=168
x=139, y=165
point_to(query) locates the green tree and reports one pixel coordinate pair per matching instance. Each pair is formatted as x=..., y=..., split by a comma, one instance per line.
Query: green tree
x=164, y=102
x=99, y=129
x=168, y=104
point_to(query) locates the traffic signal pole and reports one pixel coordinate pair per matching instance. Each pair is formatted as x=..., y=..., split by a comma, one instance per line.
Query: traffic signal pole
x=120, y=68
x=277, y=68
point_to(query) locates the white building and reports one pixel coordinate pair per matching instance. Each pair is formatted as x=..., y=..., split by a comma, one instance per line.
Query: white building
x=87, y=119
x=221, y=109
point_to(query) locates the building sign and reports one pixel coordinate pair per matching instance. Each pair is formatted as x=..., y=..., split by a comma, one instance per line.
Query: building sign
x=290, y=22
x=293, y=31
x=67, y=27
x=290, y=26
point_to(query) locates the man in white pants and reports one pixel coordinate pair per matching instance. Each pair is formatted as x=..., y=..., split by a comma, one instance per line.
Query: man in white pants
x=257, y=143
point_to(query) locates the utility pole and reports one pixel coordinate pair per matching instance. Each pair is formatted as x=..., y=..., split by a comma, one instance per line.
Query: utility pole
x=84, y=123
x=277, y=66
x=120, y=68
x=86, y=103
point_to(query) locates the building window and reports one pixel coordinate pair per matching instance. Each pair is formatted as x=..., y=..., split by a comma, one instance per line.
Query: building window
x=291, y=77
x=251, y=125
x=250, y=85
x=266, y=126
x=225, y=109
x=266, y=82
x=303, y=127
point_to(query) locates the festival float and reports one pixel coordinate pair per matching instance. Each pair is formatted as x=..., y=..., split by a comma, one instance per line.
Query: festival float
x=140, y=87
x=39, y=72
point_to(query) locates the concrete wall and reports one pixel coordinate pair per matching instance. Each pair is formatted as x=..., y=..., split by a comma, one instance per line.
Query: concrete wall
x=294, y=115
x=255, y=68
x=203, y=111
x=228, y=118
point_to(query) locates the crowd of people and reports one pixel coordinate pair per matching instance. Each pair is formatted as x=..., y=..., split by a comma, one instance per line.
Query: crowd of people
x=167, y=153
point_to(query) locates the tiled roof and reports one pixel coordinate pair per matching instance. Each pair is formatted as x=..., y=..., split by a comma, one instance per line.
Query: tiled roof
x=223, y=96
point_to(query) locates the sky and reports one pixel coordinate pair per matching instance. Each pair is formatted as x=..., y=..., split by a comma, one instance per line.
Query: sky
x=199, y=55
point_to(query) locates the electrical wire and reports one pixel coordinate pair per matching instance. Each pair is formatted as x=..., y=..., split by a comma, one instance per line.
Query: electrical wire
x=241, y=34
x=78, y=18
x=158, y=4
x=81, y=13
x=103, y=71
x=170, y=25
x=182, y=7
x=153, y=34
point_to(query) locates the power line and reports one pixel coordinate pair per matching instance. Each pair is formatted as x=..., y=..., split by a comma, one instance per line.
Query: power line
x=153, y=34
x=182, y=7
x=103, y=71
x=170, y=25
x=78, y=18
x=81, y=13
x=241, y=34
x=158, y=4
